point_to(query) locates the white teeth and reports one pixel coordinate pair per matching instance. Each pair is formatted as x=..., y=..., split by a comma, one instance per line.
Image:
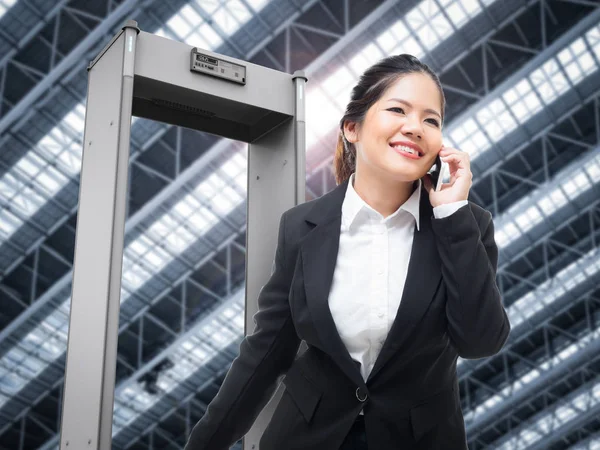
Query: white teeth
x=406, y=149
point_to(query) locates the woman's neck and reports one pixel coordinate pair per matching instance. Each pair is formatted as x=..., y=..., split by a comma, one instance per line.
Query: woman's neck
x=383, y=196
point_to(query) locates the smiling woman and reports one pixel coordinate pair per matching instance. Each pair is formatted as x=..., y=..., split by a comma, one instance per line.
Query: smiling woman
x=386, y=290
x=391, y=131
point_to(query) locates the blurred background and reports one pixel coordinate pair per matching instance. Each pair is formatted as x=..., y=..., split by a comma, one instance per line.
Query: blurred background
x=522, y=85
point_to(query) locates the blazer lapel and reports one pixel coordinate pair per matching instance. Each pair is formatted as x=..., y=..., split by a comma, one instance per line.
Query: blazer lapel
x=319, y=249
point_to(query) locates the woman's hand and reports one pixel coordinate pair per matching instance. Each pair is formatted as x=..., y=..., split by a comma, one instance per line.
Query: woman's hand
x=460, y=178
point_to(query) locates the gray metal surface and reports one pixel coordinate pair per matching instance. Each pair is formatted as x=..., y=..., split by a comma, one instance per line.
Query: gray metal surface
x=225, y=108
x=94, y=318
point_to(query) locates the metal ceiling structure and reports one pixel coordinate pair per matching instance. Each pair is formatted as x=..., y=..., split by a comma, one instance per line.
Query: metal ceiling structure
x=522, y=82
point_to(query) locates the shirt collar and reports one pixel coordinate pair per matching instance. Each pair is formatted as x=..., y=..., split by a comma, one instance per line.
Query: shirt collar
x=353, y=205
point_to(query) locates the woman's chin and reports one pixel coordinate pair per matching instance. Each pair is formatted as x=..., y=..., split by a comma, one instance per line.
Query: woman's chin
x=404, y=173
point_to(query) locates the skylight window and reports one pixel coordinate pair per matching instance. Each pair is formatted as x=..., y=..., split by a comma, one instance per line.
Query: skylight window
x=455, y=11
x=225, y=20
x=399, y=31
x=358, y=64
x=134, y=275
x=76, y=118
x=226, y=200
x=139, y=247
x=257, y=4
x=469, y=137
x=411, y=46
x=575, y=186
x=242, y=181
x=202, y=221
x=440, y=25
x=577, y=61
x=179, y=26
x=549, y=81
x=239, y=11
x=210, y=35
x=321, y=113
x=562, y=413
x=593, y=170
x=386, y=41
x=31, y=165
x=341, y=79
x=429, y=24
x=8, y=223
x=372, y=53
x=5, y=5
x=593, y=39
x=235, y=166
x=496, y=119
x=187, y=206
x=180, y=240
x=23, y=199
x=210, y=6
x=191, y=16
x=570, y=186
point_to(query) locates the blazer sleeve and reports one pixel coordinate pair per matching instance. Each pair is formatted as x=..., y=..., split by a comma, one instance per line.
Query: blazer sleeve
x=478, y=325
x=264, y=355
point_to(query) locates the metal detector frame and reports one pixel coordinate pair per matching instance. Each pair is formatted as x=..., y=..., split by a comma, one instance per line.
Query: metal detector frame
x=150, y=76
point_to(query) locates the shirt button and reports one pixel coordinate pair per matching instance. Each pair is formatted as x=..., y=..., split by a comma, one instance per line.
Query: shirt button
x=361, y=395
x=380, y=271
x=380, y=315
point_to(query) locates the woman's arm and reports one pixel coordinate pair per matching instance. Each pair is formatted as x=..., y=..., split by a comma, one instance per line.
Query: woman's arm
x=477, y=322
x=264, y=355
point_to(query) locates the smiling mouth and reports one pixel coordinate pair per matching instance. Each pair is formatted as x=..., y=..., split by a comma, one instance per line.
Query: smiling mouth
x=407, y=151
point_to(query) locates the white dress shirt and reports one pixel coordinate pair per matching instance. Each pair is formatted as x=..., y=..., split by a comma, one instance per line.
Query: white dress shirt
x=369, y=278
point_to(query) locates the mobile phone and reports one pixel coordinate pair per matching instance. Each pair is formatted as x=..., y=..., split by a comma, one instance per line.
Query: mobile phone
x=444, y=172
x=438, y=172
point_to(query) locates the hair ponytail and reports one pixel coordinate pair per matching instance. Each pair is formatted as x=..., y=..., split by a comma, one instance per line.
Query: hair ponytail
x=344, y=160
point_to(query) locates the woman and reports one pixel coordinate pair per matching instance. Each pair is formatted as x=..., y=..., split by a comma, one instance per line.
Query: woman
x=387, y=280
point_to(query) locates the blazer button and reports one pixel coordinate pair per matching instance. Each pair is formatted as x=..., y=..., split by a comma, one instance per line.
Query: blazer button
x=361, y=395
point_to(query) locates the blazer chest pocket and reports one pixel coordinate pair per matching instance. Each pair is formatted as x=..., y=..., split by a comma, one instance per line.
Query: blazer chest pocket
x=425, y=416
x=304, y=393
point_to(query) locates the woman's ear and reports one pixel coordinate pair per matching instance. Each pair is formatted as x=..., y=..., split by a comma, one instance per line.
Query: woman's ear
x=351, y=131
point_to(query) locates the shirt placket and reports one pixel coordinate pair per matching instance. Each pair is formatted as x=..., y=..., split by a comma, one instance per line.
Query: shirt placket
x=379, y=292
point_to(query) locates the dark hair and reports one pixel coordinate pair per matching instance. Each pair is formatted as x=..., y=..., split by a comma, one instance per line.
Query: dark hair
x=372, y=84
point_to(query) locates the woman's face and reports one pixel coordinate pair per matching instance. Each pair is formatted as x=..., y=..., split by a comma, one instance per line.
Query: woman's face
x=406, y=118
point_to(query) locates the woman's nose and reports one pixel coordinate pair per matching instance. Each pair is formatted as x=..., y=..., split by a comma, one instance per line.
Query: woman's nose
x=412, y=128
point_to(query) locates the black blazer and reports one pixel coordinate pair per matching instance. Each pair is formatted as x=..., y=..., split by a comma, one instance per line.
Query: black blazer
x=450, y=307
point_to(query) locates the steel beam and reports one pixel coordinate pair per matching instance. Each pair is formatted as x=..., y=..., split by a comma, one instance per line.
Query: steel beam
x=25, y=108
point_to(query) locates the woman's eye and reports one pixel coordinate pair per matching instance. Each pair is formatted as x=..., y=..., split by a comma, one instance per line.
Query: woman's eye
x=432, y=121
